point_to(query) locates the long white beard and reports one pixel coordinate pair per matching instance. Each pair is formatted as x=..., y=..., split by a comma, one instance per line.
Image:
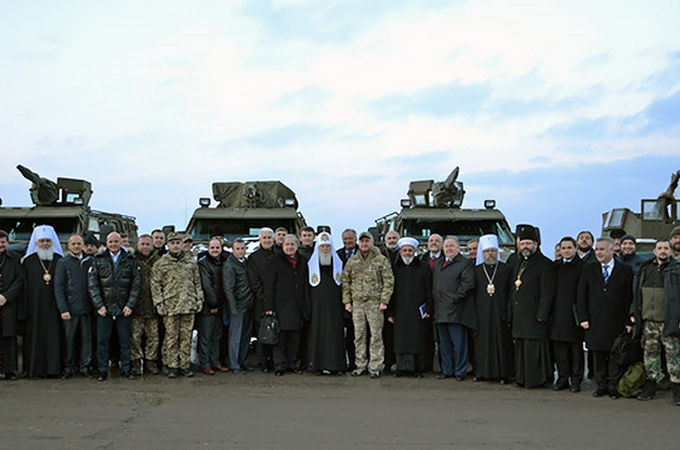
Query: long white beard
x=407, y=260
x=45, y=255
x=325, y=260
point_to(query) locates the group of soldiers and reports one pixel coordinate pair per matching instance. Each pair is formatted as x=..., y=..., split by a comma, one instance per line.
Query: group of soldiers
x=360, y=309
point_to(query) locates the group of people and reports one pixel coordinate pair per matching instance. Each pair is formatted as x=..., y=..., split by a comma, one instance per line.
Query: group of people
x=360, y=309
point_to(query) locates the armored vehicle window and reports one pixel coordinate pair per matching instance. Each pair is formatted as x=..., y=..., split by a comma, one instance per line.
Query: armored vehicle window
x=463, y=230
x=21, y=229
x=616, y=218
x=237, y=228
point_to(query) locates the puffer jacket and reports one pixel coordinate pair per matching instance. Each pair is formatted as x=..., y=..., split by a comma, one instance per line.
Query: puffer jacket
x=114, y=286
x=236, y=285
x=70, y=285
x=211, y=280
x=176, y=285
x=367, y=278
x=145, y=306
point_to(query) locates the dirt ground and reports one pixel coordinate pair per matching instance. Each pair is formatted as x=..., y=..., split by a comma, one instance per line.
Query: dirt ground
x=259, y=410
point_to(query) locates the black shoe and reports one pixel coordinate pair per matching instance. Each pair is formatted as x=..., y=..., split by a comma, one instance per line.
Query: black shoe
x=265, y=370
x=87, y=374
x=676, y=393
x=151, y=367
x=11, y=376
x=504, y=381
x=613, y=393
x=103, y=376
x=443, y=376
x=239, y=371
x=127, y=374
x=187, y=373
x=600, y=392
x=172, y=373
x=460, y=378
x=375, y=375
x=418, y=375
x=278, y=373
x=67, y=374
x=648, y=392
x=561, y=385
x=358, y=372
x=478, y=379
x=575, y=388
x=398, y=374
x=297, y=371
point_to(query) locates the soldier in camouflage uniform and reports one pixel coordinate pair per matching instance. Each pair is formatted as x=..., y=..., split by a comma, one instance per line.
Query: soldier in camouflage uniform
x=656, y=312
x=367, y=284
x=144, y=317
x=177, y=294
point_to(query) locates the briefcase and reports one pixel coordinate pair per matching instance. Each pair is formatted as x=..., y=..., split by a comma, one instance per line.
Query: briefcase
x=268, y=334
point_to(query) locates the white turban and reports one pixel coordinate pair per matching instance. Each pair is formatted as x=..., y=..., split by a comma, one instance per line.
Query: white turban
x=44, y=232
x=314, y=266
x=486, y=241
x=407, y=241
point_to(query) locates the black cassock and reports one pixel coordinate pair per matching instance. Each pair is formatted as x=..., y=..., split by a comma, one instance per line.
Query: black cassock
x=42, y=341
x=326, y=338
x=493, y=343
x=412, y=334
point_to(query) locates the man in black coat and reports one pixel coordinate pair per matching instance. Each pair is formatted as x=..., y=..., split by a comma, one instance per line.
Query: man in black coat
x=565, y=333
x=287, y=295
x=240, y=300
x=584, y=244
x=531, y=301
x=257, y=271
x=390, y=249
x=493, y=287
x=350, y=248
x=452, y=285
x=410, y=309
x=114, y=281
x=11, y=289
x=628, y=253
x=605, y=294
x=75, y=306
x=656, y=314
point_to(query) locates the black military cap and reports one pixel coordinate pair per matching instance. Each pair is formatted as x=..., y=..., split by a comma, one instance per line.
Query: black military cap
x=91, y=239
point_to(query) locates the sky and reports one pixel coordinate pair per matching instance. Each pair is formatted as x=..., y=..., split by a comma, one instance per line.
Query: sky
x=558, y=110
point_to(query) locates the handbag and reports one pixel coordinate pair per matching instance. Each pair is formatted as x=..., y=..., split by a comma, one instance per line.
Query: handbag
x=268, y=334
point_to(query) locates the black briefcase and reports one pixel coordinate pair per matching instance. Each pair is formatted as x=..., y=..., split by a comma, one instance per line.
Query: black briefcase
x=268, y=334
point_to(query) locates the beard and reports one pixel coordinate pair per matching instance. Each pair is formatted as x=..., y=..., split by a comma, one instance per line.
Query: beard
x=676, y=247
x=325, y=260
x=391, y=246
x=527, y=253
x=585, y=249
x=490, y=260
x=407, y=260
x=45, y=255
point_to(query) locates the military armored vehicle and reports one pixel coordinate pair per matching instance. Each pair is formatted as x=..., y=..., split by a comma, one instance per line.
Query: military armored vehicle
x=245, y=208
x=436, y=207
x=65, y=206
x=656, y=219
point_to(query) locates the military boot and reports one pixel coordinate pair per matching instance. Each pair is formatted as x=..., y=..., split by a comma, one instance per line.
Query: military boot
x=676, y=394
x=151, y=366
x=137, y=367
x=649, y=391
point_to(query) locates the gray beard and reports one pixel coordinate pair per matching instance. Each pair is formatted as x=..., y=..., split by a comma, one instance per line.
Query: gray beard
x=45, y=255
x=490, y=261
x=325, y=260
x=391, y=246
x=407, y=260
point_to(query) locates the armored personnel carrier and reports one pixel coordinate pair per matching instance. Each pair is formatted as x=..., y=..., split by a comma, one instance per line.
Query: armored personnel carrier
x=656, y=219
x=245, y=208
x=65, y=206
x=436, y=207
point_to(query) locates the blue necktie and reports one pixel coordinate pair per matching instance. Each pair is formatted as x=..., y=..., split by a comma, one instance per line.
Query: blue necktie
x=605, y=273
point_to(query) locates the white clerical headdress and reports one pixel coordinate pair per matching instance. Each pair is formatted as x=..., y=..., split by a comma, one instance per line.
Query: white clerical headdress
x=44, y=232
x=486, y=241
x=314, y=266
x=408, y=241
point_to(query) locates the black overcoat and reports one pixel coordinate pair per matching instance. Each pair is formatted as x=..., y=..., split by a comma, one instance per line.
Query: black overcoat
x=605, y=306
x=412, y=288
x=452, y=286
x=531, y=303
x=12, y=289
x=287, y=291
x=563, y=326
x=257, y=269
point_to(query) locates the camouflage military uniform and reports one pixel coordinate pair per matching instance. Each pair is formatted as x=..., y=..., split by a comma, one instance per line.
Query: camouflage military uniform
x=177, y=294
x=367, y=281
x=144, y=316
x=652, y=339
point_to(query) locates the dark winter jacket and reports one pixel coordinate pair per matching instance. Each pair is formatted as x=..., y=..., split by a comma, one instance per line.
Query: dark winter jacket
x=671, y=285
x=211, y=280
x=452, y=286
x=257, y=270
x=12, y=289
x=237, y=286
x=70, y=285
x=145, y=307
x=114, y=286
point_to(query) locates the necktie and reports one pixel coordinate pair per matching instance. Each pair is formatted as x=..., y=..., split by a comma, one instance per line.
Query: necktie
x=605, y=273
